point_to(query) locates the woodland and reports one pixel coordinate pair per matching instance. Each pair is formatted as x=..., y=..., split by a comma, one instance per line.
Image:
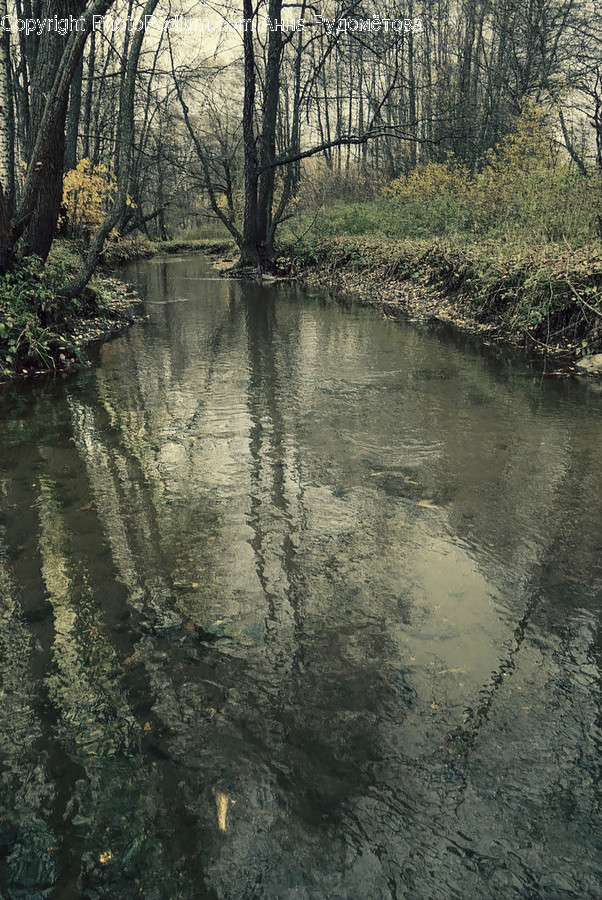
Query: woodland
x=279, y=126
x=297, y=598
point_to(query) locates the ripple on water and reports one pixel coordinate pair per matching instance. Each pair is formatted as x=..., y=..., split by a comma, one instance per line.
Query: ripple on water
x=298, y=603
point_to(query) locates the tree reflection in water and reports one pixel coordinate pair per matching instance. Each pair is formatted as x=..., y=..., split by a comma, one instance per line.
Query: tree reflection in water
x=298, y=602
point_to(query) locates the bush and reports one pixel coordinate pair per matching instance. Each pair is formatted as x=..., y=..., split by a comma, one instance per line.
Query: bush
x=523, y=194
x=36, y=323
x=449, y=179
x=88, y=192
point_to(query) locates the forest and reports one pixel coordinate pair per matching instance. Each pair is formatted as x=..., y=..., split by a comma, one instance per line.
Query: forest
x=457, y=125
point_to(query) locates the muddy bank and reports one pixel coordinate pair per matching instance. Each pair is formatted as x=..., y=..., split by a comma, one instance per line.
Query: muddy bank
x=123, y=309
x=547, y=302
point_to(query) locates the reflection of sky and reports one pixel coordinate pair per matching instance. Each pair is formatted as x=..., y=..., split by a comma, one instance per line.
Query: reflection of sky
x=397, y=545
x=368, y=443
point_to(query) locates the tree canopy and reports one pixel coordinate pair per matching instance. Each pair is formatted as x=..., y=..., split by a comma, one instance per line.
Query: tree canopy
x=203, y=112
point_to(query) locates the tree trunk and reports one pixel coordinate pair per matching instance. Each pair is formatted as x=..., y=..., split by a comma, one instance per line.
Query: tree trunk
x=7, y=147
x=73, y=116
x=55, y=103
x=161, y=197
x=6, y=247
x=267, y=143
x=43, y=222
x=88, y=100
x=412, y=115
x=122, y=79
x=248, y=251
x=21, y=83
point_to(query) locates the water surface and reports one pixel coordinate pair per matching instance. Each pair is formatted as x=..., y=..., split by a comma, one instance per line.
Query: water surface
x=298, y=603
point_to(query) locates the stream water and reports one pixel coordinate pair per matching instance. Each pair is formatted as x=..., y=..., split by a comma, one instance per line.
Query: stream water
x=296, y=602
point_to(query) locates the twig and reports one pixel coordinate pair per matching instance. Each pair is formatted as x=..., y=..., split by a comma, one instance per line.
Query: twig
x=595, y=311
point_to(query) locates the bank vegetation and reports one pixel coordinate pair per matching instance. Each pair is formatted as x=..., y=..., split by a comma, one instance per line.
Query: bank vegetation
x=513, y=249
x=452, y=146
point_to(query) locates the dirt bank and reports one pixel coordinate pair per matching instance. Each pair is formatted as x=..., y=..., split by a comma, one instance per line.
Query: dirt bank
x=547, y=301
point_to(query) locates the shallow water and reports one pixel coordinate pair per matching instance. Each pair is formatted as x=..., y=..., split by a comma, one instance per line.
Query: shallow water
x=298, y=602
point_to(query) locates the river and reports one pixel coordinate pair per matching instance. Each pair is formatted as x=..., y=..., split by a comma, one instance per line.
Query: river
x=297, y=602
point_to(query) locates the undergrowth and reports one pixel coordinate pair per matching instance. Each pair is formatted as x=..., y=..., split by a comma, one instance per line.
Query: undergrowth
x=549, y=298
x=37, y=326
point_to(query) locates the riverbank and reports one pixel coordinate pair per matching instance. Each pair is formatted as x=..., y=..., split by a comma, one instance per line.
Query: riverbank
x=547, y=300
x=43, y=333
x=141, y=248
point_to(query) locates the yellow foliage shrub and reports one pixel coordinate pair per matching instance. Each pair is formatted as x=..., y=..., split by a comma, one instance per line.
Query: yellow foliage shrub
x=525, y=149
x=431, y=180
x=521, y=180
x=88, y=191
x=523, y=184
x=523, y=152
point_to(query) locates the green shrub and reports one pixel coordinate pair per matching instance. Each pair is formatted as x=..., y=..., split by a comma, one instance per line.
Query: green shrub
x=35, y=322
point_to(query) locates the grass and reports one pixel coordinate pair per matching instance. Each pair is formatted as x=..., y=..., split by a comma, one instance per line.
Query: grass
x=518, y=244
x=567, y=215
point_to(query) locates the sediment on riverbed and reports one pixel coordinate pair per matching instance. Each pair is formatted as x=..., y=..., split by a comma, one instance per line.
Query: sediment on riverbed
x=547, y=300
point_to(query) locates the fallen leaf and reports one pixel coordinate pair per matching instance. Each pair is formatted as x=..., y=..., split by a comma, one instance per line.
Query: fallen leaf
x=221, y=802
x=86, y=506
